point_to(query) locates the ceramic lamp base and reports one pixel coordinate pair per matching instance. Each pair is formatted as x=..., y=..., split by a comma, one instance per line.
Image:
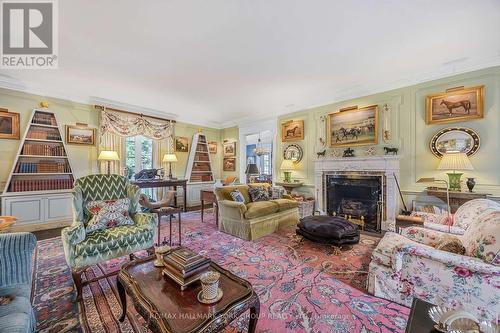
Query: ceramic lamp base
x=288, y=176
x=454, y=180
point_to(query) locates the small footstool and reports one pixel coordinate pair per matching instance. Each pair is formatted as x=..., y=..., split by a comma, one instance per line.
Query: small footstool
x=328, y=230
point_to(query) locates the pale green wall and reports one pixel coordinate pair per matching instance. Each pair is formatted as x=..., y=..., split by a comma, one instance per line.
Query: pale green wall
x=231, y=134
x=83, y=158
x=411, y=134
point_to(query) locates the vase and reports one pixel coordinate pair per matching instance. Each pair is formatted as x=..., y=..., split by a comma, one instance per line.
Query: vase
x=470, y=183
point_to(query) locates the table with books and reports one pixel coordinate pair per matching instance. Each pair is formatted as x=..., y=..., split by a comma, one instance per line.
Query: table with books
x=166, y=291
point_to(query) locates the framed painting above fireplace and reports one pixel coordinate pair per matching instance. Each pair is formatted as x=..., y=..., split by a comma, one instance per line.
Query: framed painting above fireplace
x=353, y=127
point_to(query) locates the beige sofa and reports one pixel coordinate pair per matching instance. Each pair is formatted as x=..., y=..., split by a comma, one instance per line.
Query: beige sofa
x=251, y=220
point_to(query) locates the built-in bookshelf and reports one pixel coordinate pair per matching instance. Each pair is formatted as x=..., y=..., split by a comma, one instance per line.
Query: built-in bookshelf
x=41, y=163
x=199, y=168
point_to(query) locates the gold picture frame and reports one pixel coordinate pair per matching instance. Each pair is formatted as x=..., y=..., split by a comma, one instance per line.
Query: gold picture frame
x=212, y=147
x=229, y=149
x=292, y=130
x=467, y=103
x=354, y=126
x=80, y=134
x=229, y=164
x=9, y=125
x=181, y=144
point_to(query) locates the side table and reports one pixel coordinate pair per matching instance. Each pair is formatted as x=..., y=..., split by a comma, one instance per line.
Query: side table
x=208, y=196
x=403, y=221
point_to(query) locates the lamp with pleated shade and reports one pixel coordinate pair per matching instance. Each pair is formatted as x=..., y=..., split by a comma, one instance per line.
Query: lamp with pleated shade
x=287, y=166
x=108, y=156
x=455, y=161
x=169, y=158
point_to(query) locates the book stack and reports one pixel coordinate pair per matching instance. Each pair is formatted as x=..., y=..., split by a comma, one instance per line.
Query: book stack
x=184, y=266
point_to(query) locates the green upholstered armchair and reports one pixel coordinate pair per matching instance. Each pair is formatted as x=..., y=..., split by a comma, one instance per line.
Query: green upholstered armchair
x=83, y=249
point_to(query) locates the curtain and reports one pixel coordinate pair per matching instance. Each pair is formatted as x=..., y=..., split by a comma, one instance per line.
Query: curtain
x=111, y=141
x=130, y=125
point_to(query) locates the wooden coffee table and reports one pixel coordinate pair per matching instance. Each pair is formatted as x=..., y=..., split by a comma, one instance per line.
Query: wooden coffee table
x=166, y=308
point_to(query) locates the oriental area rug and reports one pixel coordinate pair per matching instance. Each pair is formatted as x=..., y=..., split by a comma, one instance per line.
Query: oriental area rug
x=302, y=286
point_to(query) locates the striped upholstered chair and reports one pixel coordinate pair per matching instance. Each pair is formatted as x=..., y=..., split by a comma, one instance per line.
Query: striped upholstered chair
x=82, y=248
x=16, y=271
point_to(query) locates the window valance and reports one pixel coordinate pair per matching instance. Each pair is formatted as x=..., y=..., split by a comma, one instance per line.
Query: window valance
x=129, y=125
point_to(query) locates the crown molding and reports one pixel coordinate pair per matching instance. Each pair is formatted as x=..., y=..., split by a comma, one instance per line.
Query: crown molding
x=132, y=108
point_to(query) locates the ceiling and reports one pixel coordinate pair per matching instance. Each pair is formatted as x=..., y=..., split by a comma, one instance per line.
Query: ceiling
x=222, y=62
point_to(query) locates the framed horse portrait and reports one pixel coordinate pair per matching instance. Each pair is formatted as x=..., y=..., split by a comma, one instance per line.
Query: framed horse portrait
x=292, y=130
x=455, y=104
x=353, y=127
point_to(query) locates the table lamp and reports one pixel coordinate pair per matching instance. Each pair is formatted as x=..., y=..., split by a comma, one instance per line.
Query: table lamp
x=108, y=156
x=287, y=166
x=455, y=161
x=252, y=169
x=169, y=158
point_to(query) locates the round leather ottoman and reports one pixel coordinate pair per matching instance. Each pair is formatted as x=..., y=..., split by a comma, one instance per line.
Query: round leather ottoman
x=328, y=230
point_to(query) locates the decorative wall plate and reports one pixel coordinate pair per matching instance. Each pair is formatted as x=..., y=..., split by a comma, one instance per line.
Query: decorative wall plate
x=460, y=139
x=294, y=153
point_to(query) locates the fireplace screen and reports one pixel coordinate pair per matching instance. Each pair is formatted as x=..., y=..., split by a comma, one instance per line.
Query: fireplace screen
x=356, y=197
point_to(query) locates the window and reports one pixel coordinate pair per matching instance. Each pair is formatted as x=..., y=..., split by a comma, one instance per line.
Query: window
x=139, y=154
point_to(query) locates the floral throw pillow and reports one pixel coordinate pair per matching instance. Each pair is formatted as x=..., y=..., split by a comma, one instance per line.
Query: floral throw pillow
x=237, y=196
x=258, y=194
x=108, y=214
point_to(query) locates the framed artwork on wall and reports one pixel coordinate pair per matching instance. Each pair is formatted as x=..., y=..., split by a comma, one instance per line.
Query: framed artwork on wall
x=181, y=144
x=353, y=127
x=229, y=149
x=229, y=164
x=212, y=147
x=80, y=134
x=455, y=104
x=292, y=130
x=9, y=125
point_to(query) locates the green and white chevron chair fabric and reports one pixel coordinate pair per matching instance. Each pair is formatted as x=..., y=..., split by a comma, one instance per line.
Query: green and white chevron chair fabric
x=83, y=249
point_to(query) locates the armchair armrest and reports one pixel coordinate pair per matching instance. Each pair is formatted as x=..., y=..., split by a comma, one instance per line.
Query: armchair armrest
x=16, y=253
x=443, y=257
x=146, y=220
x=232, y=208
x=422, y=235
x=73, y=234
x=287, y=196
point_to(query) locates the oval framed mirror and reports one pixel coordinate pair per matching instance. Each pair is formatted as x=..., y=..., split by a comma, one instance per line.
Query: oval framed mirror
x=460, y=139
x=294, y=153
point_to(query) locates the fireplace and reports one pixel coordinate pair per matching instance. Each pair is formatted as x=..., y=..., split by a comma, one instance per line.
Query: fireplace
x=356, y=196
x=373, y=176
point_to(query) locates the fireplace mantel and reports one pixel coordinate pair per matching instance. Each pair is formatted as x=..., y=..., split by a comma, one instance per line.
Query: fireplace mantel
x=388, y=165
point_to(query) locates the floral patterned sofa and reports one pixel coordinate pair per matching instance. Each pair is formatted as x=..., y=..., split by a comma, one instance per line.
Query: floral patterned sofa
x=465, y=216
x=407, y=265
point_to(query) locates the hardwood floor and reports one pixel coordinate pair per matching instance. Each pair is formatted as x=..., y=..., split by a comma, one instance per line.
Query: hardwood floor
x=45, y=234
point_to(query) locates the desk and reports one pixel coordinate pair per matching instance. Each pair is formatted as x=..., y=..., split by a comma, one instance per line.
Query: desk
x=155, y=183
x=457, y=199
x=209, y=197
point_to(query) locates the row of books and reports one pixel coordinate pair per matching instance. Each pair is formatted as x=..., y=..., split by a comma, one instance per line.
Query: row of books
x=44, y=119
x=200, y=178
x=184, y=266
x=24, y=185
x=44, y=134
x=42, y=166
x=43, y=149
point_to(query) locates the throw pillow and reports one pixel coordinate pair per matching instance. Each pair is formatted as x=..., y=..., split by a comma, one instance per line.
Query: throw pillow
x=237, y=196
x=258, y=194
x=108, y=214
x=276, y=192
x=451, y=244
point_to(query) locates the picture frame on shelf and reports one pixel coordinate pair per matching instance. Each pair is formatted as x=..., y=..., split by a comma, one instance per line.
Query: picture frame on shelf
x=292, y=130
x=212, y=147
x=229, y=149
x=455, y=104
x=353, y=126
x=80, y=134
x=9, y=125
x=181, y=144
x=229, y=164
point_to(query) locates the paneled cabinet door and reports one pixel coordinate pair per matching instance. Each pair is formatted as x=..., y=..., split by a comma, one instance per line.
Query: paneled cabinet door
x=26, y=209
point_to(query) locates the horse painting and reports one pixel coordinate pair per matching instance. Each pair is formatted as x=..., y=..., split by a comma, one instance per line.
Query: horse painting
x=466, y=104
x=354, y=127
x=292, y=130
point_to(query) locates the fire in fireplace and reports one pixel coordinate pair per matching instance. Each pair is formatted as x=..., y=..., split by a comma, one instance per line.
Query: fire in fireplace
x=359, y=197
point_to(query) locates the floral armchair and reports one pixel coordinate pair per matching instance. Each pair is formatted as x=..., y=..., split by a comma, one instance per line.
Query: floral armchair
x=82, y=248
x=465, y=216
x=407, y=266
